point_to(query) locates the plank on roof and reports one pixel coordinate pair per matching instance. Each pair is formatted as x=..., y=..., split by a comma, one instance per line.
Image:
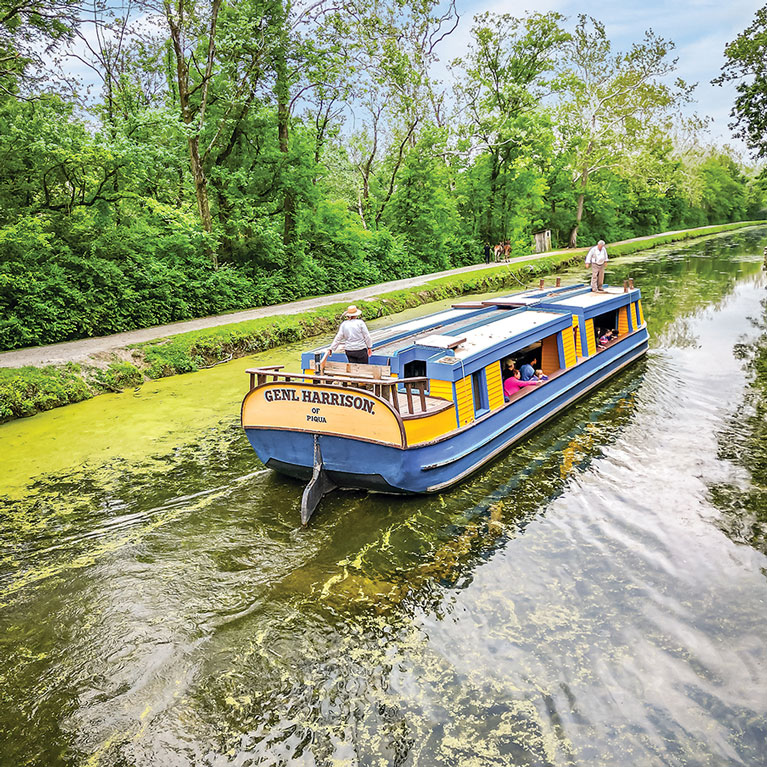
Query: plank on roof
x=441, y=342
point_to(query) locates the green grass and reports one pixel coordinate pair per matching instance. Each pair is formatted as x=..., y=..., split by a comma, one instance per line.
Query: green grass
x=28, y=390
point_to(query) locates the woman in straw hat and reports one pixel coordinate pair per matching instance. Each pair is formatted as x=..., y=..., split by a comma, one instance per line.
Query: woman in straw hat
x=354, y=335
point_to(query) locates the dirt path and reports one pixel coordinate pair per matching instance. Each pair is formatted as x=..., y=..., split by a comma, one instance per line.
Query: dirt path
x=79, y=351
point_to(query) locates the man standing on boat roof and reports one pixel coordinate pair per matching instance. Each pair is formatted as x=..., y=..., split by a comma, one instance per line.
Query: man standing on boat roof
x=597, y=258
x=354, y=335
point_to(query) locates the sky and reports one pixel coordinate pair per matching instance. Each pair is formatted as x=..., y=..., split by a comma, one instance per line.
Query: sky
x=699, y=28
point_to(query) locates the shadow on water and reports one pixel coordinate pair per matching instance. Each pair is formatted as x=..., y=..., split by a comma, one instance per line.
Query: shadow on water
x=560, y=607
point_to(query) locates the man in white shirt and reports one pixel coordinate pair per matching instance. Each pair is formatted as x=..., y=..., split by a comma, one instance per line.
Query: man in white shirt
x=354, y=335
x=597, y=258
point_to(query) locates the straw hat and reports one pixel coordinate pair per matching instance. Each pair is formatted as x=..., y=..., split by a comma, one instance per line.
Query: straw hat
x=352, y=311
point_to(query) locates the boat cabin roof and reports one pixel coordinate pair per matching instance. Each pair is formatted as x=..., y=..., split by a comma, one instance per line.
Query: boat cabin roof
x=478, y=333
x=504, y=326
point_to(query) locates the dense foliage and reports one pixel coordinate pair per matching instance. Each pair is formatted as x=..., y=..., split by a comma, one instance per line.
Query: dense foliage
x=245, y=152
x=29, y=390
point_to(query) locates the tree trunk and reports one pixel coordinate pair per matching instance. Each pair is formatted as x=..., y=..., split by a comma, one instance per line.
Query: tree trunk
x=188, y=112
x=573, y=243
x=495, y=171
x=288, y=200
x=282, y=91
x=200, y=184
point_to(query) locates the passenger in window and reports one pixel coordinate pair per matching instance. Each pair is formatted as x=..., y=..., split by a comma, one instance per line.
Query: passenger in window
x=604, y=339
x=515, y=383
x=508, y=368
x=540, y=375
x=527, y=371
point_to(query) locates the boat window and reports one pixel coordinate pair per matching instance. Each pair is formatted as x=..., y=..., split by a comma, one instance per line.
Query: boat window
x=604, y=323
x=479, y=390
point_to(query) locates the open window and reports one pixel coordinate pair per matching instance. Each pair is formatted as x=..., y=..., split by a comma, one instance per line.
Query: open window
x=605, y=324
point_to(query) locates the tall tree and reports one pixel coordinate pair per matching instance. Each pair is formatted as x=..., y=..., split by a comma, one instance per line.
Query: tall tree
x=505, y=75
x=746, y=65
x=192, y=28
x=30, y=32
x=612, y=102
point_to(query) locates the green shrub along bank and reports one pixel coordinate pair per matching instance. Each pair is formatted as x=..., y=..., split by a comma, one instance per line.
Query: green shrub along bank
x=200, y=348
x=28, y=390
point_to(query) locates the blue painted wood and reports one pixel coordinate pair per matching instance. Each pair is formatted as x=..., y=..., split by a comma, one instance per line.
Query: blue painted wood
x=435, y=466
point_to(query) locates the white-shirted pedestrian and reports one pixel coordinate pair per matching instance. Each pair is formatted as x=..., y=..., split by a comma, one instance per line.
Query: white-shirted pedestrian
x=597, y=258
x=354, y=336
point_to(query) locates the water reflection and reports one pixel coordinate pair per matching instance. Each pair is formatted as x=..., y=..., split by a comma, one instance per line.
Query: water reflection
x=574, y=603
x=742, y=497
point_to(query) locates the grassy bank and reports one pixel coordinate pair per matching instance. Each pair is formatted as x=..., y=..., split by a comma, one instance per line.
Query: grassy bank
x=28, y=390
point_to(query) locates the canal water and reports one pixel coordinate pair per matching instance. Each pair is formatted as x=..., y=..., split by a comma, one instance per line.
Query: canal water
x=598, y=596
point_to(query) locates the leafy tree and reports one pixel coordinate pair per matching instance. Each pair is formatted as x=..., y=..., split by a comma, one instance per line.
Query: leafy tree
x=506, y=74
x=746, y=65
x=611, y=104
x=30, y=31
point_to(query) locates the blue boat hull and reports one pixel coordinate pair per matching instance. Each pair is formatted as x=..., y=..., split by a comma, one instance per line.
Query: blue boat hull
x=435, y=466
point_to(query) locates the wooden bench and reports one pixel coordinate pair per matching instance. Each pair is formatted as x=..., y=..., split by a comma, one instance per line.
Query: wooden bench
x=355, y=370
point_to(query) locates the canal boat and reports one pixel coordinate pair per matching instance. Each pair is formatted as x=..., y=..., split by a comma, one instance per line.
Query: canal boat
x=429, y=409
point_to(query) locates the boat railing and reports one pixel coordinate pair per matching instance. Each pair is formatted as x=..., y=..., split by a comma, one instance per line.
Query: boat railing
x=386, y=389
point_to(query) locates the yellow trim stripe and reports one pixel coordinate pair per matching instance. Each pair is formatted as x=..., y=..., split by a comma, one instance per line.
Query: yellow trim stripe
x=430, y=427
x=641, y=314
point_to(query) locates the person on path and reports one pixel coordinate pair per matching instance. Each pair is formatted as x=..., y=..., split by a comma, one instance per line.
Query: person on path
x=597, y=258
x=354, y=335
x=487, y=252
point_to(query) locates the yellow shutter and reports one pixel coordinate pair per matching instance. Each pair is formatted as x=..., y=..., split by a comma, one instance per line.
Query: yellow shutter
x=568, y=345
x=577, y=337
x=641, y=314
x=591, y=342
x=623, y=321
x=494, y=385
x=443, y=389
x=464, y=399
